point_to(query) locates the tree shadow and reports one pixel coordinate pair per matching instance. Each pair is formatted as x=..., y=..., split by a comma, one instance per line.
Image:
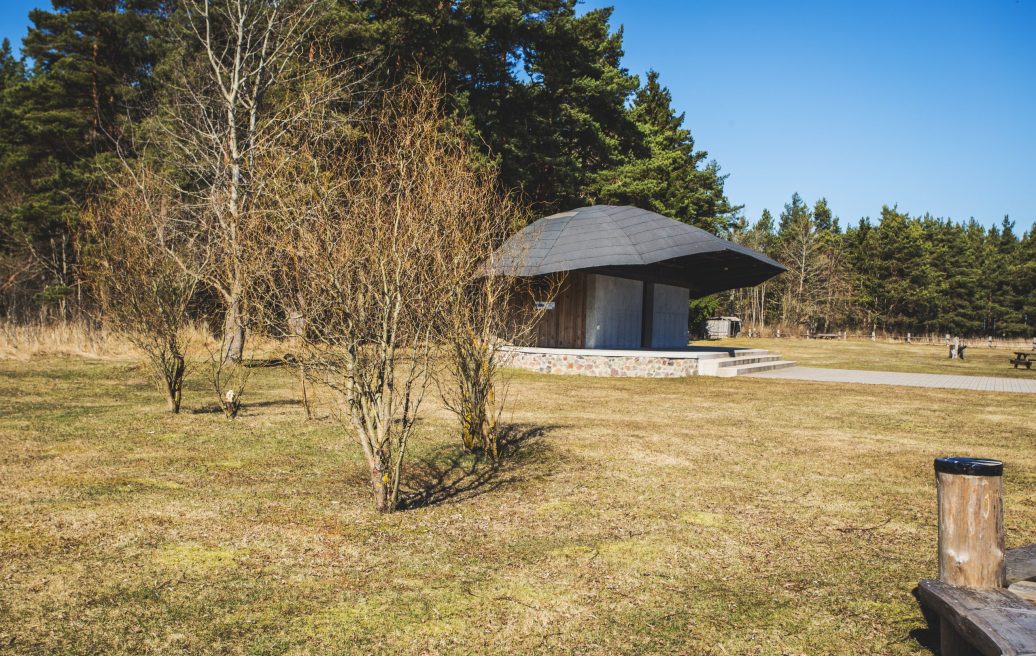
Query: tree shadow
x=261, y=363
x=215, y=409
x=451, y=474
x=927, y=637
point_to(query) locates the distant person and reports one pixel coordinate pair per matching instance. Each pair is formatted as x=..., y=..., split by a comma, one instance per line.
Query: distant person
x=989, y=342
x=960, y=350
x=953, y=348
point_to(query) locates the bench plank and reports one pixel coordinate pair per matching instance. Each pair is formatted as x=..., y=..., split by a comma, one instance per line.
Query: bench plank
x=1024, y=589
x=993, y=620
x=1021, y=563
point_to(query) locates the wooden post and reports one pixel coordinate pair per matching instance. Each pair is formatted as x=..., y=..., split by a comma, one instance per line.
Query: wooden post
x=971, y=532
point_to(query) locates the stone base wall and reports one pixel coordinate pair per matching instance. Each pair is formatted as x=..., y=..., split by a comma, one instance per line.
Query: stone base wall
x=639, y=366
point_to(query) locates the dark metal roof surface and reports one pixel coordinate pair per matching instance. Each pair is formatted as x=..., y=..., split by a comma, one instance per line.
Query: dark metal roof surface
x=631, y=242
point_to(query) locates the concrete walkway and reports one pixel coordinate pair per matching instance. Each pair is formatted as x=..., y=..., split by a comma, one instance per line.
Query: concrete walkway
x=976, y=383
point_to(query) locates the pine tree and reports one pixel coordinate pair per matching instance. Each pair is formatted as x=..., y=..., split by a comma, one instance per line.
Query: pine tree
x=763, y=233
x=12, y=140
x=12, y=76
x=1005, y=316
x=825, y=221
x=12, y=70
x=1026, y=277
x=544, y=94
x=91, y=64
x=966, y=269
x=541, y=88
x=578, y=124
x=905, y=292
x=665, y=173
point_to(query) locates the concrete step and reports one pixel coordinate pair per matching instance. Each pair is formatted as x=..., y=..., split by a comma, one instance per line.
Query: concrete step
x=726, y=355
x=748, y=359
x=725, y=363
x=730, y=372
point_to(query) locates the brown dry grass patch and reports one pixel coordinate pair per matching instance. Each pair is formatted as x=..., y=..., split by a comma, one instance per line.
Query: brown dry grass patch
x=708, y=516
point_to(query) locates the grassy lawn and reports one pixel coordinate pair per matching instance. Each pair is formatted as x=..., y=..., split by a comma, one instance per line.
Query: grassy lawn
x=888, y=356
x=711, y=516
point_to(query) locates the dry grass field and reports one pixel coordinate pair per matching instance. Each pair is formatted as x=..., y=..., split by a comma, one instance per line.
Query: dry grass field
x=696, y=516
x=890, y=356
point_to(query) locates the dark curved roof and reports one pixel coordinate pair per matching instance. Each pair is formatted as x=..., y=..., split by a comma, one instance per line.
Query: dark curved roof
x=632, y=243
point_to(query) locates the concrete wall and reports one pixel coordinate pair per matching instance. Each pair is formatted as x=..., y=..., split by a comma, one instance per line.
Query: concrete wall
x=669, y=318
x=613, y=312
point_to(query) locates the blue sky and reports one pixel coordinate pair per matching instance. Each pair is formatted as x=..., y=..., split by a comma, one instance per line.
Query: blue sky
x=928, y=105
x=14, y=18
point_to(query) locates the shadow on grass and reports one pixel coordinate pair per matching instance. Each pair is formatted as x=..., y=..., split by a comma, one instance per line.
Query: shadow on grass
x=215, y=409
x=262, y=363
x=927, y=637
x=450, y=473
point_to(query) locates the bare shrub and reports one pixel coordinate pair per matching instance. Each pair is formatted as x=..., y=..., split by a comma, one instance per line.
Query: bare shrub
x=228, y=378
x=480, y=313
x=364, y=233
x=141, y=292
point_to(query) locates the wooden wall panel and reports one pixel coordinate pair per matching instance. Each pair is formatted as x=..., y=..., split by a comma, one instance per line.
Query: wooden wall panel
x=572, y=313
x=563, y=327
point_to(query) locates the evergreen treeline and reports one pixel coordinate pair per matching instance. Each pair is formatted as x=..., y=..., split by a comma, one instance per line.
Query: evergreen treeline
x=542, y=91
x=916, y=274
x=543, y=94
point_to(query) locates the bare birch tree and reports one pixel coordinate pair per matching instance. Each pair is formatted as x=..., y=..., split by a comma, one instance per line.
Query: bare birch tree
x=228, y=100
x=799, y=251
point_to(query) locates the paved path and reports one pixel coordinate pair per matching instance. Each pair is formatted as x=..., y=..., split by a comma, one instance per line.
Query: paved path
x=977, y=383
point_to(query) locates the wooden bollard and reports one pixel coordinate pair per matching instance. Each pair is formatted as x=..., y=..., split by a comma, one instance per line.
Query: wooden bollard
x=971, y=532
x=971, y=521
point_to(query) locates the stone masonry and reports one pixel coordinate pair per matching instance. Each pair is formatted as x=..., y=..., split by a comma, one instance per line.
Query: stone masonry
x=603, y=364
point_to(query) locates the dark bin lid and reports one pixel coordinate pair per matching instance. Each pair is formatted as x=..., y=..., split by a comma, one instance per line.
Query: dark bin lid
x=969, y=466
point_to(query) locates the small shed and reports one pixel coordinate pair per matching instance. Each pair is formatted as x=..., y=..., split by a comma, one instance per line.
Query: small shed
x=628, y=275
x=722, y=327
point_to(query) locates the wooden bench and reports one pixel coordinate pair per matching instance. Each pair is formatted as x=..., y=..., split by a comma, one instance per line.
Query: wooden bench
x=1020, y=564
x=993, y=620
x=978, y=615
x=1024, y=358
